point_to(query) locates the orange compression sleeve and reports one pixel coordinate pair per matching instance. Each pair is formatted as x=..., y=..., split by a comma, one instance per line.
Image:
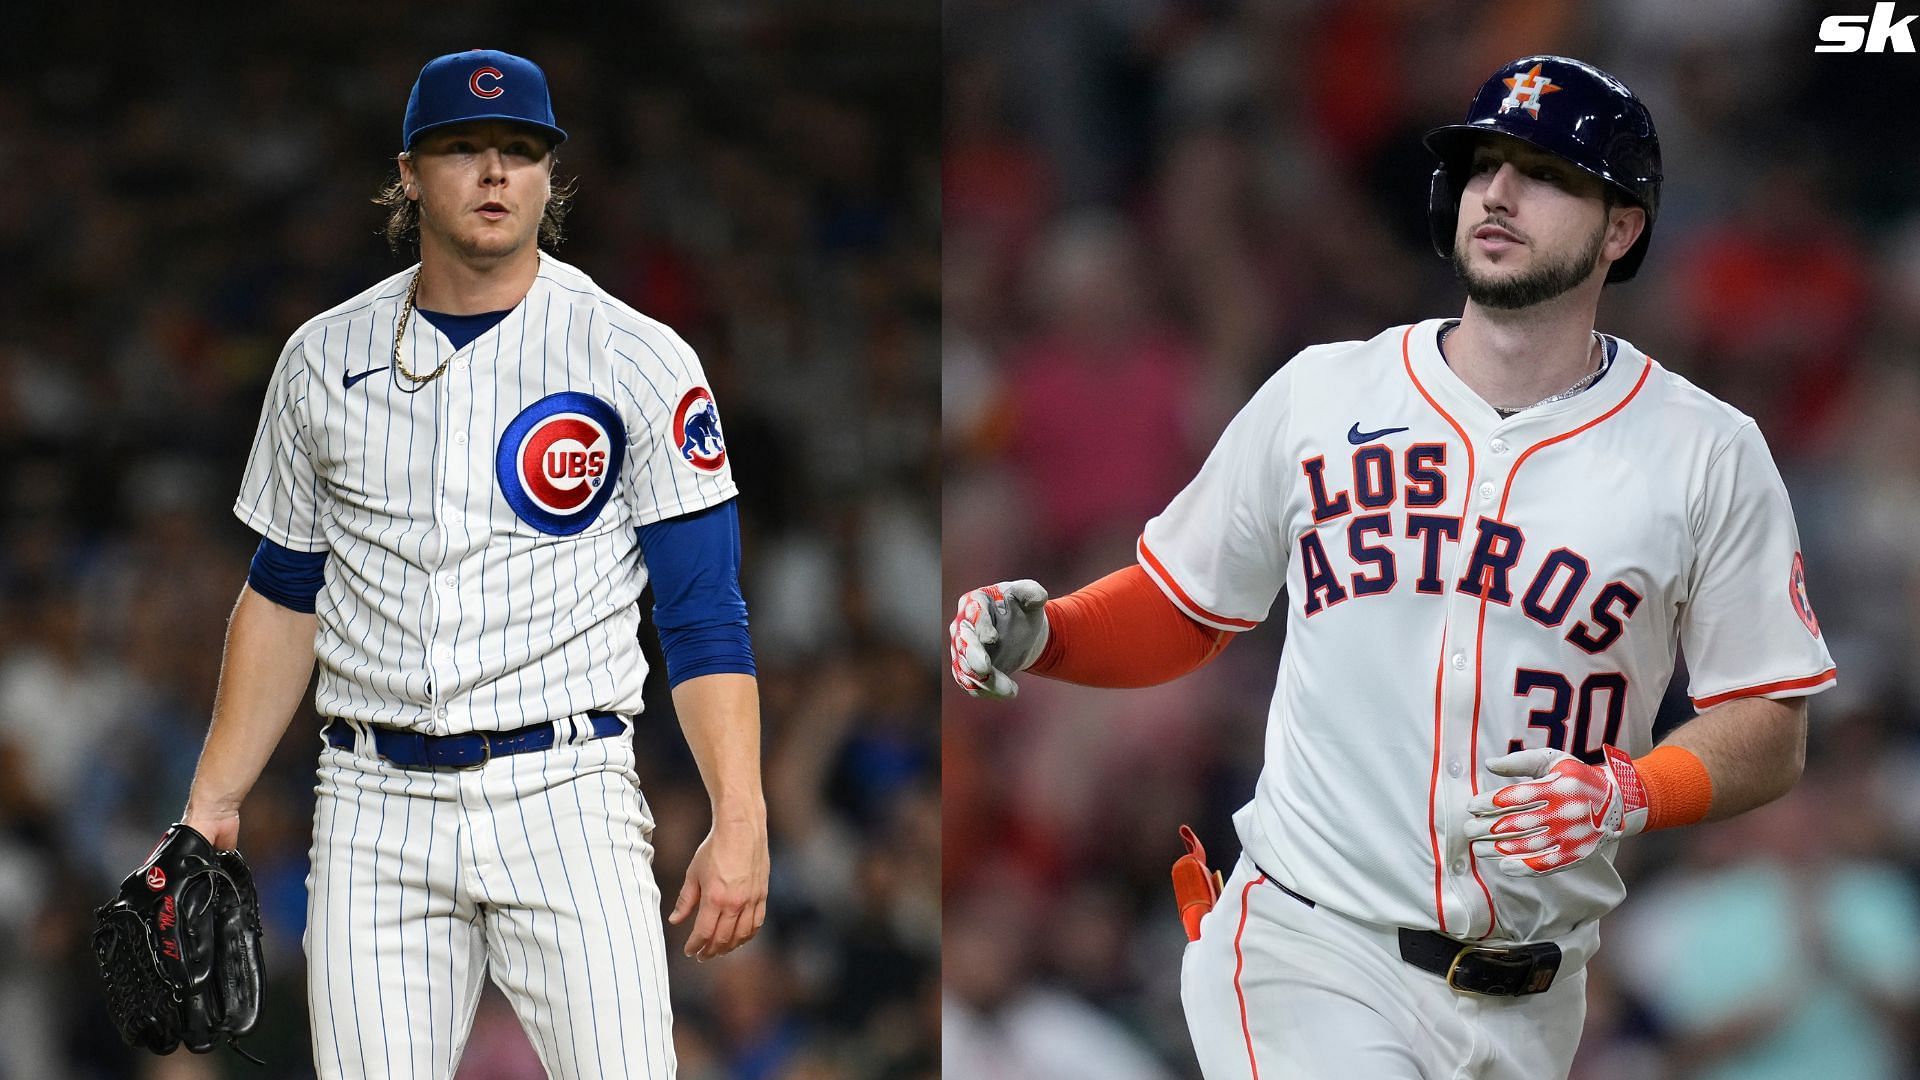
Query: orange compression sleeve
x=1122, y=631
x=1679, y=789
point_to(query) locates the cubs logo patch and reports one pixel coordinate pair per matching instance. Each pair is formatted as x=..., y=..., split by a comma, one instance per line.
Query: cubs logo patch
x=1797, y=590
x=696, y=431
x=559, y=460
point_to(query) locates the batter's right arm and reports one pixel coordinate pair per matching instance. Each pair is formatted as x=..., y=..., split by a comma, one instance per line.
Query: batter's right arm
x=264, y=670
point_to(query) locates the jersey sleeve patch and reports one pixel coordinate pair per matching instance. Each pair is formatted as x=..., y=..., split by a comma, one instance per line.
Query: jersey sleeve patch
x=1797, y=590
x=559, y=460
x=696, y=431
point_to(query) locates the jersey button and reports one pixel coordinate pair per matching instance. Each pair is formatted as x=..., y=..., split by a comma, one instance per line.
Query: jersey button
x=460, y=364
x=1459, y=661
x=1459, y=866
x=459, y=438
x=1453, y=768
x=1498, y=446
x=445, y=652
x=443, y=713
x=451, y=581
x=1486, y=492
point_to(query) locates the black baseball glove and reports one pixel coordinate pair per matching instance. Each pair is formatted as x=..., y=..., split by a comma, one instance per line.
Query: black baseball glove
x=179, y=948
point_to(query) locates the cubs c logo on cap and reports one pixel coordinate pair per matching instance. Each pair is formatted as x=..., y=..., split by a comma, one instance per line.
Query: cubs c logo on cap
x=493, y=76
x=696, y=431
x=559, y=460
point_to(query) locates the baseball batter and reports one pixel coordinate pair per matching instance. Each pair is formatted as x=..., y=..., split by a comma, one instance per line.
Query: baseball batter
x=463, y=478
x=1494, y=532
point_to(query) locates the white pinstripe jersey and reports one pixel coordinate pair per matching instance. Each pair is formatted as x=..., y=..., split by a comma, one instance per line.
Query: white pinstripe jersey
x=1461, y=585
x=483, y=569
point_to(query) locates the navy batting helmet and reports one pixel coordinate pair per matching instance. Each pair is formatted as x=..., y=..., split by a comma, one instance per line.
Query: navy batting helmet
x=1567, y=108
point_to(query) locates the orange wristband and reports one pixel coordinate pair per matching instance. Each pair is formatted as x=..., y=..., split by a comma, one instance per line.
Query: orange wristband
x=1679, y=790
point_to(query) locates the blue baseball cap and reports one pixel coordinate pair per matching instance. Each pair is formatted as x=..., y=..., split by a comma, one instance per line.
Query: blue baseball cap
x=480, y=84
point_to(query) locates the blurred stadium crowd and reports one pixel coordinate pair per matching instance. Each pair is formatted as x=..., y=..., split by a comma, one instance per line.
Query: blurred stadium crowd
x=1149, y=206
x=761, y=176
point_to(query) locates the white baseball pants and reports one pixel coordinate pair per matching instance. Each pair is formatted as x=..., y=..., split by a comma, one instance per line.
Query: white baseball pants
x=535, y=868
x=1278, y=990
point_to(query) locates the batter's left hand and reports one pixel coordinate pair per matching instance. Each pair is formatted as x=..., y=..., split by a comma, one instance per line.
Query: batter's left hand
x=727, y=881
x=1559, y=816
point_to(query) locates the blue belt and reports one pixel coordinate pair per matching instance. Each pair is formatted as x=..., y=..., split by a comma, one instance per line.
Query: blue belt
x=412, y=750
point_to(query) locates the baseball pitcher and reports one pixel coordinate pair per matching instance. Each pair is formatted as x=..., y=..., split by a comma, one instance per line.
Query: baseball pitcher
x=463, y=479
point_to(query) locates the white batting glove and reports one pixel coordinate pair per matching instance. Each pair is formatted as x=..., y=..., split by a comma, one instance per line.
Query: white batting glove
x=1560, y=816
x=999, y=630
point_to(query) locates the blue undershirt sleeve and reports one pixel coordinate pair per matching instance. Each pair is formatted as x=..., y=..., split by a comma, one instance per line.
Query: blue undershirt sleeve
x=287, y=577
x=694, y=564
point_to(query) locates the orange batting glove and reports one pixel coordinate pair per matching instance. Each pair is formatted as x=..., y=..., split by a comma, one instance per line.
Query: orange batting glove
x=1558, y=817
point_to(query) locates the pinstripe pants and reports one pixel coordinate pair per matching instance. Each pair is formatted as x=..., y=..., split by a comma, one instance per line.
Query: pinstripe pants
x=535, y=868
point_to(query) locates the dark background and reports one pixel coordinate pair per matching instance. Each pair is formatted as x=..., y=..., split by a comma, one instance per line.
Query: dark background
x=1150, y=206
x=181, y=191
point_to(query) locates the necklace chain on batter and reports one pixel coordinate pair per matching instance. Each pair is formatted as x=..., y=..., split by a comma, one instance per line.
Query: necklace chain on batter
x=1585, y=380
x=406, y=310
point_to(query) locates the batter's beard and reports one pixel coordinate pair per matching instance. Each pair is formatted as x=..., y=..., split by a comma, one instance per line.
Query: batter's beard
x=1549, y=279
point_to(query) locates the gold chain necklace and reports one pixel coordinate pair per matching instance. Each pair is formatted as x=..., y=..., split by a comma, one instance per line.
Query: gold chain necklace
x=406, y=311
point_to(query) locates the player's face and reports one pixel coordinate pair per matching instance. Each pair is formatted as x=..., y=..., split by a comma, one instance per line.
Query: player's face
x=482, y=187
x=1533, y=227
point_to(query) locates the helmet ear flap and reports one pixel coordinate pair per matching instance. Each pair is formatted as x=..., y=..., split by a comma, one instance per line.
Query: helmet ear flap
x=1443, y=210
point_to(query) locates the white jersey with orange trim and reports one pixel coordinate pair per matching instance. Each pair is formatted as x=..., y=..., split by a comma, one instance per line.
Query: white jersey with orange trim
x=484, y=574
x=1460, y=586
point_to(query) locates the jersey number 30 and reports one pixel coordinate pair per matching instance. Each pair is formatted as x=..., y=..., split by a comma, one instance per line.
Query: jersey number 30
x=1602, y=689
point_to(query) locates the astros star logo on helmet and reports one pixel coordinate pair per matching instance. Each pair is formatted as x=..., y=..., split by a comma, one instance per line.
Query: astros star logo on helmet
x=1524, y=91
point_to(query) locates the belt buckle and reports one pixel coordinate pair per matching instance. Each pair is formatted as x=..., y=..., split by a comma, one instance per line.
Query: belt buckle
x=1505, y=957
x=486, y=752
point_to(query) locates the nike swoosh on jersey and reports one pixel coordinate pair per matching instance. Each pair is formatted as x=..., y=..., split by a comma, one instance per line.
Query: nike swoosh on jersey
x=1358, y=437
x=348, y=380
